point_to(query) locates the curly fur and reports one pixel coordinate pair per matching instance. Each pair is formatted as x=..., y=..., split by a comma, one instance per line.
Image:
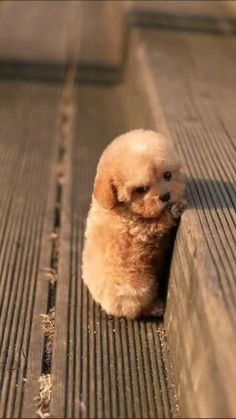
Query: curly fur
x=128, y=233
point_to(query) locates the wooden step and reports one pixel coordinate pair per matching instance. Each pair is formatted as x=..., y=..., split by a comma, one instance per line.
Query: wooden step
x=191, y=80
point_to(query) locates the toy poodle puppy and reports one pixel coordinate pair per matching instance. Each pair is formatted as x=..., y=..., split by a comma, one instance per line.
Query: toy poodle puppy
x=138, y=197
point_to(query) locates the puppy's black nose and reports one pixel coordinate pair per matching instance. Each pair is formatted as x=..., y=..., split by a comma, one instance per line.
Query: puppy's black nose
x=165, y=197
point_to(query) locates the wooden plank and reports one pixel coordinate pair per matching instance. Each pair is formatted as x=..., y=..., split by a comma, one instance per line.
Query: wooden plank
x=102, y=367
x=28, y=114
x=191, y=79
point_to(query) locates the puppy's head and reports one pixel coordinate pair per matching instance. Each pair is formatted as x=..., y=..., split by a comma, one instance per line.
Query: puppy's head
x=139, y=171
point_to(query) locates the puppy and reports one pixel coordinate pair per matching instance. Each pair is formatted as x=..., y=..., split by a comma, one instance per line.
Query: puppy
x=138, y=197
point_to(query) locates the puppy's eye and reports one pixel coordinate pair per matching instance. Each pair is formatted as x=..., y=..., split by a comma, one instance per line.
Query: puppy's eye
x=142, y=189
x=167, y=176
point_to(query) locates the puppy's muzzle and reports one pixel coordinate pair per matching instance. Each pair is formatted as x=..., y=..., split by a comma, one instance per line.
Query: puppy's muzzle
x=165, y=197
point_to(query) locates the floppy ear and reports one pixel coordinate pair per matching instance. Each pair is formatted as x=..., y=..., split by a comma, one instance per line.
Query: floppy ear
x=105, y=191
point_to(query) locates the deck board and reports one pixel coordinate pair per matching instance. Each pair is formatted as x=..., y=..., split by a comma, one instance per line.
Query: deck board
x=28, y=148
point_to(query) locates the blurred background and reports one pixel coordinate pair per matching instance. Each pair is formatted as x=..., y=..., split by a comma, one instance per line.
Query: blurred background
x=48, y=34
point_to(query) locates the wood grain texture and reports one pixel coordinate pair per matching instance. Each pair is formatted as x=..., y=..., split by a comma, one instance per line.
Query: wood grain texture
x=28, y=144
x=194, y=80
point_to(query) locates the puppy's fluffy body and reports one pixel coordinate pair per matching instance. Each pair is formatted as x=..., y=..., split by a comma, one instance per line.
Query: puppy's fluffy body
x=128, y=226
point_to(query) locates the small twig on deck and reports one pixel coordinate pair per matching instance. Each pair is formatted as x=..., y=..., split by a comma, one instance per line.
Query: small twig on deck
x=43, y=400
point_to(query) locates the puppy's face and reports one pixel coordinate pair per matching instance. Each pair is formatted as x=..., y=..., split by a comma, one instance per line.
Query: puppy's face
x=139, y=172
x=150, y=196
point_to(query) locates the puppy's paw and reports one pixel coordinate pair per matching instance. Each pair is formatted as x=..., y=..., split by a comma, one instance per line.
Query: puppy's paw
x=156, y=310
x=177, y=209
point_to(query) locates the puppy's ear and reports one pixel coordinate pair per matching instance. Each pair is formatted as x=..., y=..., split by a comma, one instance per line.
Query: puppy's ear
x=105, y=191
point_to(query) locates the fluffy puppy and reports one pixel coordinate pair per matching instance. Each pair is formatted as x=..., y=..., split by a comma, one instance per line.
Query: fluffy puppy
x=138, y=196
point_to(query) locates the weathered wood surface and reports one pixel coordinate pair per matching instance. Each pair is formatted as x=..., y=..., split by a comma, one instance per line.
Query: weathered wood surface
x=28, y=149
x=105, y=367
x=191, y=80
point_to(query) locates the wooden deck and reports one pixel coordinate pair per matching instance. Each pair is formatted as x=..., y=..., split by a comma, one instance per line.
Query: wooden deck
x=29, y=141
x=51, y=136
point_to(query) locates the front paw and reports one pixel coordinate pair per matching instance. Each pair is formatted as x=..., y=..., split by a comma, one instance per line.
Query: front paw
x=177, y=209
x=155, y=310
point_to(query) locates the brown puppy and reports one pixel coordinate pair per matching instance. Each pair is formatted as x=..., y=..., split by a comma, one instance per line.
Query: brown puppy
x=139, y=193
